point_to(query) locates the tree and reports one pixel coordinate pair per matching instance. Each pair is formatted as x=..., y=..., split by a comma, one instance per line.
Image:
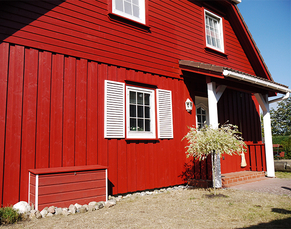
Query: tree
x=214, y=141
x=281, y=118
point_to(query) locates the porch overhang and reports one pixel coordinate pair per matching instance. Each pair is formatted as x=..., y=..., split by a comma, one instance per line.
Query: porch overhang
x=262, y=89
x=256, y=83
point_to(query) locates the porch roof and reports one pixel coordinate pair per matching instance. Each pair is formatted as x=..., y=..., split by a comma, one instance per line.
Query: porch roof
x=225, y=72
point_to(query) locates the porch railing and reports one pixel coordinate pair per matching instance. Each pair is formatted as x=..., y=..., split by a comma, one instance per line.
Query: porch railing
x=255, y=157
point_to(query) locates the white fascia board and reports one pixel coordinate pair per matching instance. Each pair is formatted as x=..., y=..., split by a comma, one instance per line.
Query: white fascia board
x=253, y=80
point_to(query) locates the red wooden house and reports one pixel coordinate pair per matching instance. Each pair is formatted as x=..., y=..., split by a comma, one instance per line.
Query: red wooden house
x=102, y=84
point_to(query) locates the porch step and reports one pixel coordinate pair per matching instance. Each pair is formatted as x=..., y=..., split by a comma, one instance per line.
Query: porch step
x=237, y=178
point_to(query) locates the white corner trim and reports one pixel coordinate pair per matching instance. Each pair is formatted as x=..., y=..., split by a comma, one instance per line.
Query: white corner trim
x=106, y=180
x=28, y=188
x=253, y=80
x=36, y=192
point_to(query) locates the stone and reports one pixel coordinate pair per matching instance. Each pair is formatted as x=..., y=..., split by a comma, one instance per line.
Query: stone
x=50, y=214
x=85, y=206
x=51, y=209
x=43, y=213
x=91, y=208
x=100, y=205
x=78, y=206
x=66, y=212
x=32, y=214
x=73, y=209
x=118, y=198
x=82, y=209
x=58, y=211
x=22, y=207
x=93, y=203
x=38, y=215
x=110, y=203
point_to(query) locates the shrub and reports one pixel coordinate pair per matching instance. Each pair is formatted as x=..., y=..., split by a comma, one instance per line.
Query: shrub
x=9, y=215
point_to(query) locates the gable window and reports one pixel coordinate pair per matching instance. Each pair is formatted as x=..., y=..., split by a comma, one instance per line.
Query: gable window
x=213, y=31
x=131, y=9
x=130, y=112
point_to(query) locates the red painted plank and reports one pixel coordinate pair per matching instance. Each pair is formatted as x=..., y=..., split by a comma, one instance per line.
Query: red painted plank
x=69, y=112
x=56, y=170
x=29, y=118
x=43, y=110
x=74, y=200
x=57, y=98
x=259, y=158
x=102, y=142
x=45, y=180
x=13, y=126
x=81, y=105
x=92, y=115
x=71, y=187
x=56, y=197
x=4, y=56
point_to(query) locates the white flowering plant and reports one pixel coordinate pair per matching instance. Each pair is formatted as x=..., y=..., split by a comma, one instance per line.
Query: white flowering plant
x=206, y=140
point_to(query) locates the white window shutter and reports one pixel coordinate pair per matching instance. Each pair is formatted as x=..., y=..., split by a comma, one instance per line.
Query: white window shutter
x=114, y=107
x=165, y=117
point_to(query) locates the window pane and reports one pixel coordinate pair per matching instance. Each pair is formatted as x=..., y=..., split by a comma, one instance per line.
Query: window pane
x=203, y=111
x=147, y=112
x=132, y=112
x=135, y=2
x=140, y=125
x=132, y=96
x=147, y=125
x=139, y=98
x=135, y=11
x=133, y=124
x=203, y=118
x=119, y=5
x=140, y=111
x=146, y=99
x=127, y=8
x=199, y=110
x=199, y=118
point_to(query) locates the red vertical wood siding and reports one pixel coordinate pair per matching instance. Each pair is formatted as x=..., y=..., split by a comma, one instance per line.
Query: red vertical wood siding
x=4, y=56
x=13, y=126
x=55, y=57
x=83, y=28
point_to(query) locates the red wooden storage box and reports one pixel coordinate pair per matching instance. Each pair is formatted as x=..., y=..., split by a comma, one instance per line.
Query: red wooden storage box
x=63, y=186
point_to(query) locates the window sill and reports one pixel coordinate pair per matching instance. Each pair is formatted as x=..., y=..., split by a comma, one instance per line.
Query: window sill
x=127, y=21
x=142, y=140
x=214, y=51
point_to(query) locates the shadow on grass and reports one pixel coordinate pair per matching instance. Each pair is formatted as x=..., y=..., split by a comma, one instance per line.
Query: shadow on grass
x=279, y=223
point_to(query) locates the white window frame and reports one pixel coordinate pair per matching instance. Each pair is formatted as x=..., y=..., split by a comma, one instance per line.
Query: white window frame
x=142, y=8
x=220, y=29
x=141, y=134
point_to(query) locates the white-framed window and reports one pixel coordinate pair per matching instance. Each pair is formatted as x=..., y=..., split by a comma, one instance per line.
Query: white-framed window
x=214, y=31
x=202, y=115
x=130, y=112
x=131, y=9
x=140, y=106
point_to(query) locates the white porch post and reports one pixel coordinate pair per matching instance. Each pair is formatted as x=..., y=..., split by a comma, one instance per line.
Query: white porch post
x=263, y=101
x=214, y=95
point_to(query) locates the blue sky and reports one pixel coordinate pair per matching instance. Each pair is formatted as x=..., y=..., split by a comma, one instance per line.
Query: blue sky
x=269, y=22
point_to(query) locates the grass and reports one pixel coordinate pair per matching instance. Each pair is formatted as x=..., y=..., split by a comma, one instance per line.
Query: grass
x=182, y=209
x=286, y=175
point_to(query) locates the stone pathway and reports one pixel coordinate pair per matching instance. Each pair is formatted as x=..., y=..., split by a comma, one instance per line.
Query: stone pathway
x=270, y=185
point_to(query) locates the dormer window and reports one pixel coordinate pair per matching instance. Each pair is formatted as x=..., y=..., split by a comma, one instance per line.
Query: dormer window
x=131, y=9
x=213, y=31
